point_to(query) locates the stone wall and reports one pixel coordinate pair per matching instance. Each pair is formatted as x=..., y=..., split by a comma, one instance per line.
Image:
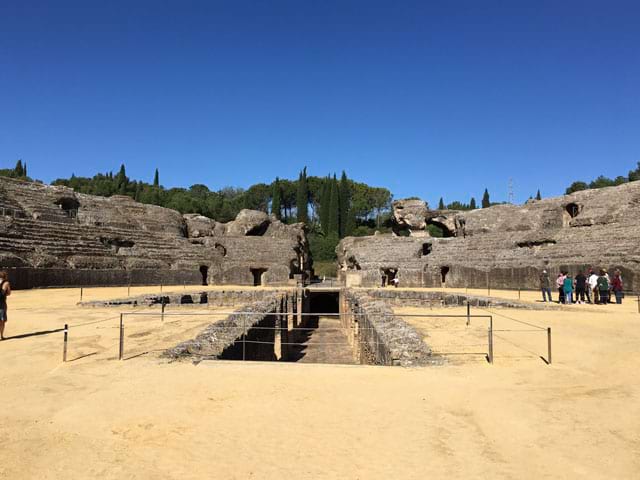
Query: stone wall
x=221, y=335
x=385, y=338
x=214, y=298
x=506, y=246
x=52, y=236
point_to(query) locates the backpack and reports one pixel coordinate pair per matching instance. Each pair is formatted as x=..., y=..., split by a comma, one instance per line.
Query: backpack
x=603, y=284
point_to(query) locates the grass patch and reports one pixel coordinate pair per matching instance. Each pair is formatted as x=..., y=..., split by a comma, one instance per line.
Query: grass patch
x=325, y=268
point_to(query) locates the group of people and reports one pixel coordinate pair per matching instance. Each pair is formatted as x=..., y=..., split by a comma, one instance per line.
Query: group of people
x=584, y=288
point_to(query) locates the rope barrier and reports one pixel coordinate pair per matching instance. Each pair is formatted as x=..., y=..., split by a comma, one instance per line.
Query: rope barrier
x=514, y=319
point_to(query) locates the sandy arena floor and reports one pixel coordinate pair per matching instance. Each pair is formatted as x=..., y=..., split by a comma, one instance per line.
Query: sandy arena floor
x=97, y=417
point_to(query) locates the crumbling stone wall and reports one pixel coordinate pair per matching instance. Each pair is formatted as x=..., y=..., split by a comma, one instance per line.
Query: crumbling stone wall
x=506, y=246
x=50, y=235
x=387, y=339
x=214, y=298
x=218, y=336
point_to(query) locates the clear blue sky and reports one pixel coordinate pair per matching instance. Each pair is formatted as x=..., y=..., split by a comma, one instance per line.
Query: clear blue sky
x=425, y=98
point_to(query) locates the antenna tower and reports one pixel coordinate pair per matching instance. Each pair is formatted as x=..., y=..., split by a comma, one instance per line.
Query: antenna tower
x=511, y=197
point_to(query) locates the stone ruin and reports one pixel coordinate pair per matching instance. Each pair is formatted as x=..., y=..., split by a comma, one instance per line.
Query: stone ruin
x=504, y=246
x=53, y=236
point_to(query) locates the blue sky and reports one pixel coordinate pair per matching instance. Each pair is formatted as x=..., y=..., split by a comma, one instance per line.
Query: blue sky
x=426, y=98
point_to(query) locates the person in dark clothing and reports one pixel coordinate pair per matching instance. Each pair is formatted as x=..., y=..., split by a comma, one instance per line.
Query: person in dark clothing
x=581, y=287
x=616, y=285
x=545, y=286
x=603, y=287
x=5, y=291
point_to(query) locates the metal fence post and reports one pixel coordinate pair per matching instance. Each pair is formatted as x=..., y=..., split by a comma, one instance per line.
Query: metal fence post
x=244, y=336
x=519, y=293
x=66, y=339
x=81, y=293
x=468, y=313
x=549, y=345
x=162, y=314
x=491, y=340
x=160, y=286
x=129, y=290
x=121, y=349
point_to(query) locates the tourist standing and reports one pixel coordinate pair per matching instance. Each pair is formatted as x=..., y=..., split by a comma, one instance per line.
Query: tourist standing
x=545, y=286
x=560, y=285
x=616, y=285
x=568, y=289
x=581, y=284
x=603, y=287
x=5, y=291
x=593, y=286
x=588, y=288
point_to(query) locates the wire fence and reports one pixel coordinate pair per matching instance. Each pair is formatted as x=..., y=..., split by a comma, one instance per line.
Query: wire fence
x=446, y=335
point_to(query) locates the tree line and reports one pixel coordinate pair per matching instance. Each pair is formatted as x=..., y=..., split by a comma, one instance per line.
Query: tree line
x=603, y=181
x=19, y=171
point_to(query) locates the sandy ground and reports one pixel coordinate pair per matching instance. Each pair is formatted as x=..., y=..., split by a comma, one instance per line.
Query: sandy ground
x=143, y=417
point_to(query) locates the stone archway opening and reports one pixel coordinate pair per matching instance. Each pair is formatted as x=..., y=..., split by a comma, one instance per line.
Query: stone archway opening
x=258, y=276
x=204, y=271
x=69, y=205
x=573, y=209
x=439, y=229
x=443, y=273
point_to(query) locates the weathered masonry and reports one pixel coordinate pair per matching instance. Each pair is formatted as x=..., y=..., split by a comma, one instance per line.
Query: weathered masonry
x=53, y=236
x=504, y=246
x=282, y=325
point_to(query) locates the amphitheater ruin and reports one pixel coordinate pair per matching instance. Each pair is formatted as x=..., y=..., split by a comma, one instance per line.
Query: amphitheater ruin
x=54, y=237
x=128, y=320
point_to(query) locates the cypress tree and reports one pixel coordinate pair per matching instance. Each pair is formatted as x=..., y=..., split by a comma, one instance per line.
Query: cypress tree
x=346, y=222
x=472, y=204
x=538, y=196
x=25, y=170
x=121, y=181
x=486, y=202
x=302, y=197
x=325, y=204
x=19, y=170
x=156, y=179
x=441, y=204
x=276, y=199
x=334, y=208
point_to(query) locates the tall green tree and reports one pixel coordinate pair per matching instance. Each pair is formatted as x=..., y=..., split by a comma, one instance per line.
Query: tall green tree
x=441, y=204
x=633, y=174
x=325, y=205
x=276, y=199
x=334, y=208
x=346, y=221
x=538, y=196
x=486, y=201
x=472, y=204
x=156, y=179
x=302, y=197
x=121, y=181
x=19, y=169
